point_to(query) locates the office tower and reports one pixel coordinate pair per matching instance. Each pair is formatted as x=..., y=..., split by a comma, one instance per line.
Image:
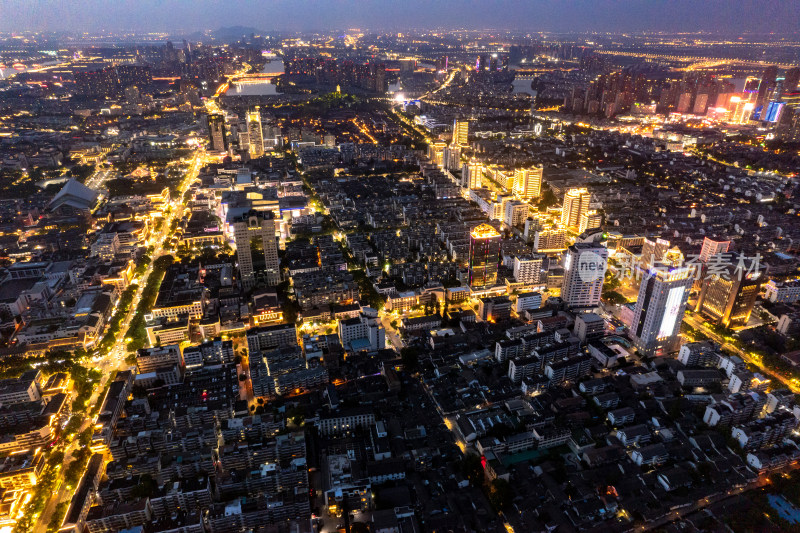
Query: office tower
x=590, y=220
x=528, y=182
x=257, y=248
x=460, y=132
x=711, y=248
x=531, y=269
x=484, y=256
x=493, y=62
x=659, y=310
x=576, y=202
x=216, y=133
x=730, y=284
x=584, y=271
x=255, y=132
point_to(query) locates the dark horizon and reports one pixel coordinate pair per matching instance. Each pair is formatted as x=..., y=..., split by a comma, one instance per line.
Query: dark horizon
x=569, y=16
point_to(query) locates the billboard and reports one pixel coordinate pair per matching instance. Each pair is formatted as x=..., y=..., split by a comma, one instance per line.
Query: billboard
x=674, y=301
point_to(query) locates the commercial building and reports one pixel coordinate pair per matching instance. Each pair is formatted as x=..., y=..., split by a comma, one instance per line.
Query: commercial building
x=584, y=271
x=729, y=293
x=257, y=248
x=484, y=256
x=784, y=292
x=460, y=132
x=659, y=309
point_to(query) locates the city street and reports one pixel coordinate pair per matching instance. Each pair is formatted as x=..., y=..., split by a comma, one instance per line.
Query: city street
x=114, y=360
x=697, y=323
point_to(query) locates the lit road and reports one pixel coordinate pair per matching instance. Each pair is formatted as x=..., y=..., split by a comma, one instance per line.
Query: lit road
x=444, y=85
x=115, y=359
x=697, y=323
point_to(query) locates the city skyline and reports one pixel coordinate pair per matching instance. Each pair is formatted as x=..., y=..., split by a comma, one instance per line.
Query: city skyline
x=399, y=281
x=766, y=16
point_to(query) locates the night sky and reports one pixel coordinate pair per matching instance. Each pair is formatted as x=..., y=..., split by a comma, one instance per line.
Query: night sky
x=528, y=15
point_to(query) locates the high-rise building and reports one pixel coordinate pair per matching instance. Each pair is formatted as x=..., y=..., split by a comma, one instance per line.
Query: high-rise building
x=460, y=132
x=730, y=285
x=472, y=174
x=590, y=220
x=256, y=133
x=451, y=157
x=531, y=269
x=216, y=133
x=659, y=309
x=766, y=86
x=584, y=272
x=576, y=202
x=257, y=248
x=484, y=256
x=712, y=247
x=528, y=182
x=436, y=153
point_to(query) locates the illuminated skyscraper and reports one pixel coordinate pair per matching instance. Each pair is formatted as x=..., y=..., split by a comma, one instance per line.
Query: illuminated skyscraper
x=712, y=247
x=472, y=174
x=256, y=133
x=528, y=182
x=484, y=256
x=585, y=267
x=460, y=132
x=659, y=309
x=729, y=293
x=576, y=203
x=257, y=248
x=436, y=153
x=216, y=133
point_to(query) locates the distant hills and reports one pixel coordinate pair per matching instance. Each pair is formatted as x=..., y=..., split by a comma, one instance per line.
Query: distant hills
x=227, y=34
